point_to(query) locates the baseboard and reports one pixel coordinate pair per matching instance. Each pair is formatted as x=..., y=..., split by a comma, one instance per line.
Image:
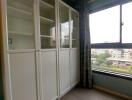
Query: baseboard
x=74, y=85
x=112, y=92
x=65, y=92
x=69, y=89
x=55, y=98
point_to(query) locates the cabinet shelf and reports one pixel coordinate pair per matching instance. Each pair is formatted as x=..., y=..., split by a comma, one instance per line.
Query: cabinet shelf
x=15, y=11
x=46, y=4
x=46, y=20
x=74, y=39
x=65, y=38
x=20, y=33
x=46, y=36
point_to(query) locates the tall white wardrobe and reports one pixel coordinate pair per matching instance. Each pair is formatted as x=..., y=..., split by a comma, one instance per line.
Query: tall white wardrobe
x=41, y=49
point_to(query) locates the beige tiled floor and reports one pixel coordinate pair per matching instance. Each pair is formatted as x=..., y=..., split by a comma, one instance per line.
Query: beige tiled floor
x=88, y=94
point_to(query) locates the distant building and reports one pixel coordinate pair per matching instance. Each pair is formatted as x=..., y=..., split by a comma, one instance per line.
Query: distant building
x=121, y=57
x=118, y=57
x=120, y=62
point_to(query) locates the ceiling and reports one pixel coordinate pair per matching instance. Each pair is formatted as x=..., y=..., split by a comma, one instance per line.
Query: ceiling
x=76, y=3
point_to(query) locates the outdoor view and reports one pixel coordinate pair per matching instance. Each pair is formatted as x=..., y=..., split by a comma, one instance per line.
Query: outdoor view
x=117, y=60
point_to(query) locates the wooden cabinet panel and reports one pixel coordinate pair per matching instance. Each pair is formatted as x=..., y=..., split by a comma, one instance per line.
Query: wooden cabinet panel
x=49, y=75
x=74, y=67
x=64, y=66
x=23, y=76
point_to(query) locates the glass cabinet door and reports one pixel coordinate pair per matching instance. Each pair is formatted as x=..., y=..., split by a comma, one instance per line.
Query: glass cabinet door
x=75, y=28
x=20, y=20
x=47, y=24
x=64, y=26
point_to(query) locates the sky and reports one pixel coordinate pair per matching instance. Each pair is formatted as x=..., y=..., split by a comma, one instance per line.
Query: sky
x=105, y=25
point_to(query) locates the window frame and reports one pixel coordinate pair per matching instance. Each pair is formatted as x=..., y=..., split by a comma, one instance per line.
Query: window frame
x=116, y=45
x=118, y=25
x=114, y=74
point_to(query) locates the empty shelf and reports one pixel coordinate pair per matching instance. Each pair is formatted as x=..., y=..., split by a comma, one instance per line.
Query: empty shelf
x=46, y=20
x=46, y=4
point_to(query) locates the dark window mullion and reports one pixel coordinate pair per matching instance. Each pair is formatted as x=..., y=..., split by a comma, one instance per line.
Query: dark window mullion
x=121, y=23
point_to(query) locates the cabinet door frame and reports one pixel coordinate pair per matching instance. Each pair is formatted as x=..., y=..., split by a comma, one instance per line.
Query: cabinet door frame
x=77, y=48
x=5, y=48
x=70, y=43
x=6, y=65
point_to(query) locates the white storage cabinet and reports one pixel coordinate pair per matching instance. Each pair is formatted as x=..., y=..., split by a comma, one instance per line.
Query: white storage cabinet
x=41, y=49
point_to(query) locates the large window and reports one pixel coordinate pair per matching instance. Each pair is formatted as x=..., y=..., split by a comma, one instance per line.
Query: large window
x=111, y=39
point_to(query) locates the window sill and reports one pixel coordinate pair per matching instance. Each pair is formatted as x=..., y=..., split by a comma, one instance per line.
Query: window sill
x=113, y=74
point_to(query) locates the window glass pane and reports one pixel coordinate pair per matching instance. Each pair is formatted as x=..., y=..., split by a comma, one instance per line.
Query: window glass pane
x=20, y=24
x=104, y=25
x=74, y=25
x=48, y=42
x=65, y=43
x=74, y=28
x=116, y=60
x=64, y=26
x=127, y=20
x=47, y=24
x=75, y=43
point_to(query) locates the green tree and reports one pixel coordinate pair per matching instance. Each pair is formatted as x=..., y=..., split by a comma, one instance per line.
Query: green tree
x=130, y=68
x=101, y=58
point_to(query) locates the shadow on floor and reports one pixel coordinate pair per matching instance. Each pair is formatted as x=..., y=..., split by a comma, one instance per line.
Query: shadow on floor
x=89, y=94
